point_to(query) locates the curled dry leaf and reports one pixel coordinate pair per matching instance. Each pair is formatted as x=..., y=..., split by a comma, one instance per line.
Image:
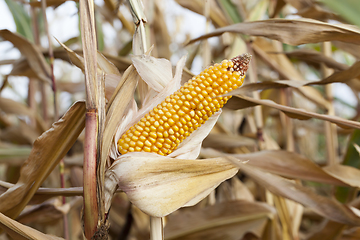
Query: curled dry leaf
x=244, y=102
x=228, y=221
x=46, y=153
x=160, y=185
x=286, y=31
x=33, y=55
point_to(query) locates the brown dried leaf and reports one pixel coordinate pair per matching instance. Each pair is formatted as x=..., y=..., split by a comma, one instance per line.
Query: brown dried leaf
x=316, y=58
x=47, y=151
x=227, y=221
x=13, y=107
x=250, y=87
x=33, y=55
x=351, y=48
x=70, y=87
x=216, y=15
x=287, y=31
x=217, y=140
x=49, y=3
x=284, y=163
x=347, y=174
x=46, y=212
x=244, y=102
x=292, y=165
x=319, y=13
x=341, y=76
x=17, y=230
x=326, y=207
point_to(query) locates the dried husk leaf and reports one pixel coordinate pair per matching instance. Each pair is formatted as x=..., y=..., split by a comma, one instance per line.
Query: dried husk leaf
x=160, y=185
x=117, y=106
x=155, y=72
x=19, y=231
x=286, y=31
x=47, y=151
x=227, y=220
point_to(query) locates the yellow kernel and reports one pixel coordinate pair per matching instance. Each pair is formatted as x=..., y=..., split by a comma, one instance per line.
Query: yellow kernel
x=154, y=149
x=147, y=149
x=140, y=143
x=171, y=121
x=147, y=143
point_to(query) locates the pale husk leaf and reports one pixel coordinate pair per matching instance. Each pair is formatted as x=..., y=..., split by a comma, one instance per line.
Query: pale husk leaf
x=160, y=185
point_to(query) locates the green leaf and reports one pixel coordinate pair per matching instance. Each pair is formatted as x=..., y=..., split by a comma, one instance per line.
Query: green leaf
x=99, y=33
x=21, y=18
x=348, y=9
x=352, y=158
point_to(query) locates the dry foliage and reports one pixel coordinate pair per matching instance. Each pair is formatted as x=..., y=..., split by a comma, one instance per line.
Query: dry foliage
x=285, y=149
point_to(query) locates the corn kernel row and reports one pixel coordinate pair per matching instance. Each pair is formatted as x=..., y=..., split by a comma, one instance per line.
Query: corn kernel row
x=170, y=122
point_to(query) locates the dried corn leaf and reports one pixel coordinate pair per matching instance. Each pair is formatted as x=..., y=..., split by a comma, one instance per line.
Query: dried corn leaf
x=46, y=212
x=316, y=58
x=160, y=185
x=227, y=221
x=326, y=207
x=347, y=174
x=33, y=55
x=17, y=230
x=47, y=151
x=217, y=140
x=216, y=15
x=341, y=76
x=286, y=31
x=244, y=102
x=284, y=163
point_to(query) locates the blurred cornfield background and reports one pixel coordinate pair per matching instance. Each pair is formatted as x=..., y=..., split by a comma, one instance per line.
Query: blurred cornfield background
x=295, y=119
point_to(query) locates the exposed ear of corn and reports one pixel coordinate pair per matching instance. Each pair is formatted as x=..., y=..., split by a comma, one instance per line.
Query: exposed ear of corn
x=169, y=123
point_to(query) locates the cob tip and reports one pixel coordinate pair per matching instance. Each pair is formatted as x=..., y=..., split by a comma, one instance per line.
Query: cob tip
x=241, y=63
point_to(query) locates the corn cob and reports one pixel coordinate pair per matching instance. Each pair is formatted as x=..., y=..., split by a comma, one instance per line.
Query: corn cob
x=167, y=125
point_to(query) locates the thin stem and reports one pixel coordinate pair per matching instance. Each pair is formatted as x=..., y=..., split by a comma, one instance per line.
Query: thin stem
x=330, y=128
x=156, y=228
